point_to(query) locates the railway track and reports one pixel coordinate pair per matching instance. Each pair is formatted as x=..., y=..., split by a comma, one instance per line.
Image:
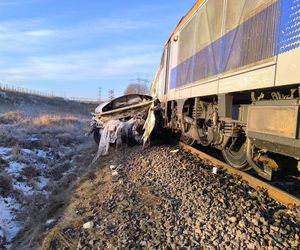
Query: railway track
x=277, y=194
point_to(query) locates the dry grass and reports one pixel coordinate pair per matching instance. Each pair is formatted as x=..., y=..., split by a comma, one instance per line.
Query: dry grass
x=101, y=178
x=11, y=117
x=61, y=190
x=44, y=120
x=54, y=120
x=51, y=131
x=61, y=136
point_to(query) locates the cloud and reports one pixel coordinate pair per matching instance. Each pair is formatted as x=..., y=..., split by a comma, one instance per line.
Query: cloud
x=84, y=65
x=38, y=49
x=40, y=33
x=35, y=35
x=111, y=25
x=26, y=35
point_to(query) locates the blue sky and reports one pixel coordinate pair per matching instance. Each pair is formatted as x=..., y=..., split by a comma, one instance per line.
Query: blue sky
x=73, y=47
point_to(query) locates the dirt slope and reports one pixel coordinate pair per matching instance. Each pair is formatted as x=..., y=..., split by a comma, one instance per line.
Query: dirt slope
x=43, y=150
x=33, y=104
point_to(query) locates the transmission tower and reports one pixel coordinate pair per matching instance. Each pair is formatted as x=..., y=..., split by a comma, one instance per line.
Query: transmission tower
x=141, y=82
x=111, y=94
x=100, y=94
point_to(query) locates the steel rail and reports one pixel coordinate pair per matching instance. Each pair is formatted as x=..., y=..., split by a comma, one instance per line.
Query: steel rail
x=282, y=197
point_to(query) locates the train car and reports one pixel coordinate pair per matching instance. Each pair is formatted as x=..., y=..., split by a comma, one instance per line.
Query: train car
x=229, y=77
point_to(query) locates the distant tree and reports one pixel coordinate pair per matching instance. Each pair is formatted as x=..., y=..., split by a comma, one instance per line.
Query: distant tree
x=136, y=88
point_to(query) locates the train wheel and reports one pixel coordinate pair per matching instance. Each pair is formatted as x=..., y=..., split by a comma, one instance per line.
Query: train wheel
x=187, y=140
x=235, y=155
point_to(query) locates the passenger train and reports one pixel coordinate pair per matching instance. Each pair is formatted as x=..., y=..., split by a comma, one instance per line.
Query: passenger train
x=229, y=78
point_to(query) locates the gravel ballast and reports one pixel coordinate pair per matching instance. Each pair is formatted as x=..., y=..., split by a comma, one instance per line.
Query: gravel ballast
x=162, y=198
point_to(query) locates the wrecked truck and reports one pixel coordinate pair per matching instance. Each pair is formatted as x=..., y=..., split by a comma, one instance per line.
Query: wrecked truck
x=129, y=119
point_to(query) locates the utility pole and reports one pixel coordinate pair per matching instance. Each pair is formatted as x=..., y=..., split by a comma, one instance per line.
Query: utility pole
x=111, y=94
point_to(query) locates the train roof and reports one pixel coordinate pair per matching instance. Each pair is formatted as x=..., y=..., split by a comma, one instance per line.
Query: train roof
x=186, y=18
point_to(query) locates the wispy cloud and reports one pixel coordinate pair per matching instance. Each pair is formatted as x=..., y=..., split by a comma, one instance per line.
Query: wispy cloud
x=23, y=35
x=99, y=48
x=31, y=35
x=40, y=33
x=109, y=25
x=84, y=65
x=48, y=53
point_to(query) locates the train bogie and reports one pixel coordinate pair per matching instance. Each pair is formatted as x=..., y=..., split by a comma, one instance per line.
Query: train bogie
x=230, y=78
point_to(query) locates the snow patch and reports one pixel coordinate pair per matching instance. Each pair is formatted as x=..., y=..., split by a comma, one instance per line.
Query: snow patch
x=27, y=151
x=8, y=222
x=6, y=158
x=38, y=152
x=4, y=151
x=23, y=187
x=15, y=167
x=41, y=183
x=34, y=139
x=41, y=153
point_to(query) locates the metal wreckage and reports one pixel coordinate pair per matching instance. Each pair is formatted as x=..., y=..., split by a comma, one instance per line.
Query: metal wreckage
x=129, y=119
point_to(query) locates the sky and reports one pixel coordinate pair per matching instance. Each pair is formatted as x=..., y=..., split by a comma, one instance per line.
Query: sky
x=74, y=47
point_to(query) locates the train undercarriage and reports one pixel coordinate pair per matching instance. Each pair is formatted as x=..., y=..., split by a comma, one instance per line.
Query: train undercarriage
x=249, y=128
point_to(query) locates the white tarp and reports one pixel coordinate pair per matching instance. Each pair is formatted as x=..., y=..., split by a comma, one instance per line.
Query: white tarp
x=108, y=135
x=149, y=124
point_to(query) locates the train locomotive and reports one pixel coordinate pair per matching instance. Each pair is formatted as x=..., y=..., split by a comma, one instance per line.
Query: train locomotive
x=229, y=78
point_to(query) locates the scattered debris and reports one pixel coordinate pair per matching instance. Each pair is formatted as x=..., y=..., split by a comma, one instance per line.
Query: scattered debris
x=115, y=173
x=112, y=167
x=174, y=151
x=88, y=225
x=50, y=222
x=215, y=170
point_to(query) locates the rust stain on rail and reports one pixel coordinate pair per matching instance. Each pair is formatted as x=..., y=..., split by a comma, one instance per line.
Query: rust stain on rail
x=282, y=197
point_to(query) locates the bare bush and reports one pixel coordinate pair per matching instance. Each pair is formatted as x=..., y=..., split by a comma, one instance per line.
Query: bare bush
x=56, y=172
x=65, y=138
x=9, y=140
x=36, y=203
x=3, y=163
x=17, y=154
x=31, y=172
x=6, y=186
